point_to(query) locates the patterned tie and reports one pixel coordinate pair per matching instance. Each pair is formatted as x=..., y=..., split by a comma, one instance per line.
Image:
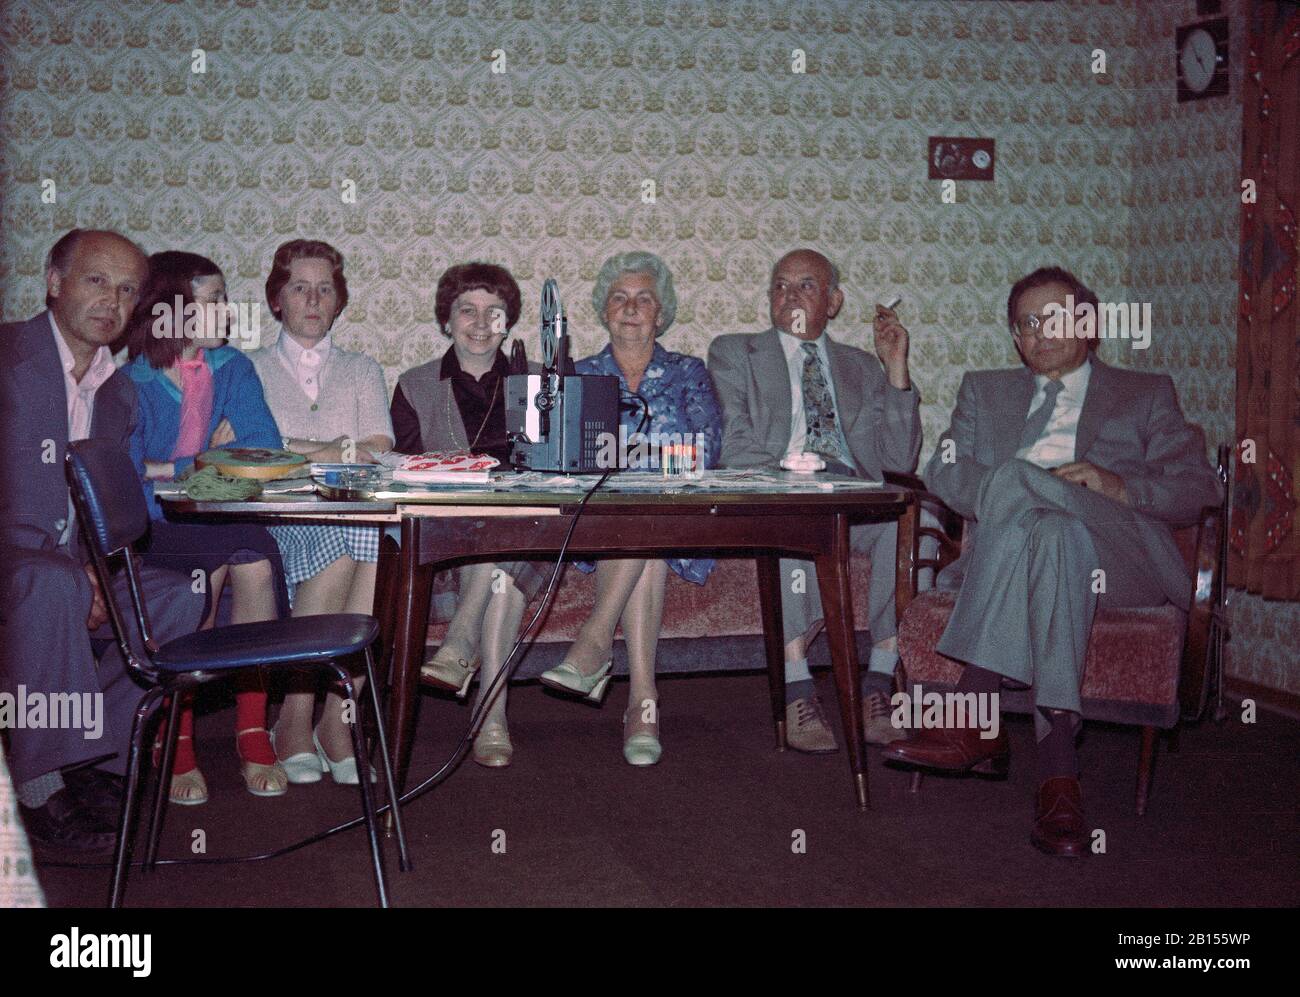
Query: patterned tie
x=1041, y=416
x=819, y=410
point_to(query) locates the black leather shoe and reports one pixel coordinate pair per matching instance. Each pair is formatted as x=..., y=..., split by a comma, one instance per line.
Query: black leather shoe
x=98, y=792
x=63, y=829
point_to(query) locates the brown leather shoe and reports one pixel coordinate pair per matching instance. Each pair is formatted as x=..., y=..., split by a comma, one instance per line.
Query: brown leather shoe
x=1059, y=825
x=960, y=750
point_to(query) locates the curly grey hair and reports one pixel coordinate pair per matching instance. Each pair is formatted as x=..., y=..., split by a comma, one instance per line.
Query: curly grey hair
x=637, y=261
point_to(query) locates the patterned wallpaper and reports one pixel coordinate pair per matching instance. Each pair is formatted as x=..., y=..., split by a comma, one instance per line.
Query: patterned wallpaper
x=524, y=132
x=1183, y=242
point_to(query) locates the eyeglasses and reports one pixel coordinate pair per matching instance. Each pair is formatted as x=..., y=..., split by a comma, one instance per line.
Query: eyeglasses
x=1030, y=326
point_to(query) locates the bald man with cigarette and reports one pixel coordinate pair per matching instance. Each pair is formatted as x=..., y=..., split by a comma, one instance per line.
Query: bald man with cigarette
x=793, y=389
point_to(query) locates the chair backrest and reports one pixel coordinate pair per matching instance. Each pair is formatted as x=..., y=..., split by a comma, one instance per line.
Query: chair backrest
x=107, y=491
x=112, y=514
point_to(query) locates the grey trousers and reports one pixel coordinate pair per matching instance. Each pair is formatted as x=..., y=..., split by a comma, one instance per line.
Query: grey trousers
x=1026, y=604
x=801, y=604
x=45, y=647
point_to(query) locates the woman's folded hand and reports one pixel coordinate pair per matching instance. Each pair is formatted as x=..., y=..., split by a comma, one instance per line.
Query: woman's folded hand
x=159, y=470
x=223, y=435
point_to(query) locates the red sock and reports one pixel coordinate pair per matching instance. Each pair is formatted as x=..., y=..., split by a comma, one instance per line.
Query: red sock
x=250, y=712
x=184, y=760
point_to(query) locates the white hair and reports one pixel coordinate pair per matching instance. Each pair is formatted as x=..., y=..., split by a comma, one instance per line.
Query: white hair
x=637, y=261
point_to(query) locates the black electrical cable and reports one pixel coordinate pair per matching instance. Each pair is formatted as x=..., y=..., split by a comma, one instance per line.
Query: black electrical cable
x=440, y=774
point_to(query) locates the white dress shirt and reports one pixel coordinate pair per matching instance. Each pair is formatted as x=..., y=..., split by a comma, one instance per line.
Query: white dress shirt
x=794, y=357
x=1056, y=445
x=305, y=364
x=80, y=398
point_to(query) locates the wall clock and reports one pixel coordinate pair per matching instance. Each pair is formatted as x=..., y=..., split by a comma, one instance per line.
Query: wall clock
x=1201, y=59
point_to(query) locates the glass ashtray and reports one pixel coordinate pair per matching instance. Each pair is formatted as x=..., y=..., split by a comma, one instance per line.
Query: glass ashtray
x=346, y=481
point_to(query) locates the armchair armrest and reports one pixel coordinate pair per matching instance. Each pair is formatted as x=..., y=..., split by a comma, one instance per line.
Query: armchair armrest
x=903, y=480
x=1207, y=623
x=911, y=529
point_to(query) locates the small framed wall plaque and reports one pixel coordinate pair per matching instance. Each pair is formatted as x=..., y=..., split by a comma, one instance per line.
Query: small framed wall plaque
x=961, y=158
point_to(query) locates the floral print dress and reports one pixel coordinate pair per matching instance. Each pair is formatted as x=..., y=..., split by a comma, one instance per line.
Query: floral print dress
x=683, y=406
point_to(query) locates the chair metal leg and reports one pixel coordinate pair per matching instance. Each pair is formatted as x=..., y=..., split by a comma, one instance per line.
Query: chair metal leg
x=395, y=805
x=1146, y=765
x=914, y=785
x=363, y=783
x=126, y=821
x=162, y=792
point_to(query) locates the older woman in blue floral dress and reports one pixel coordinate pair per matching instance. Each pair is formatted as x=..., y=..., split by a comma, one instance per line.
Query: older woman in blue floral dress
x=636, y=303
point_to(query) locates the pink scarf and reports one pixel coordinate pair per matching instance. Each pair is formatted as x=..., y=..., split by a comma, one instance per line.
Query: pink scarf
x=196, y=406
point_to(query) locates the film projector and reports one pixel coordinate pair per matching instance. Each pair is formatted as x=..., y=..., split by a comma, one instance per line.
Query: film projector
x=556, y=421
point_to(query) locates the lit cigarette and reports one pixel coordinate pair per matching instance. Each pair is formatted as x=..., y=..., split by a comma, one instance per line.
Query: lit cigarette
x=894, y=302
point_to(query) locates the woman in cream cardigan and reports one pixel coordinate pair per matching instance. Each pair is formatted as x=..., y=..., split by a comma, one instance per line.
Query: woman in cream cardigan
x=331, y=405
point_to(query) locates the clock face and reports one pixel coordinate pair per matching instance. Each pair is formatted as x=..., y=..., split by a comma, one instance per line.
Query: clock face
x=1198, y=60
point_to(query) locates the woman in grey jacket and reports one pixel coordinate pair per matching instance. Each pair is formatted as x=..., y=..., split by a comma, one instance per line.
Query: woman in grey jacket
x=457, y=402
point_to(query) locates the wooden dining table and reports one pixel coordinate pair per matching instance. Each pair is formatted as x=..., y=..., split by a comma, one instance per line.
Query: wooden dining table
x=445, y=528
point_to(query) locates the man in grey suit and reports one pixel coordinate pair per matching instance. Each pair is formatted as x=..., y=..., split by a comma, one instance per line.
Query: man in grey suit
x=793, y=389
x=1070, y=474
x=58, y=383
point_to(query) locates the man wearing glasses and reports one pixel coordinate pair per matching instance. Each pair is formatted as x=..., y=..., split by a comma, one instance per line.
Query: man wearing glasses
x=1070, y=474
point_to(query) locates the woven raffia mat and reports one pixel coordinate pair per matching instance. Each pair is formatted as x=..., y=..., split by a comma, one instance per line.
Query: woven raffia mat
x=209, y=485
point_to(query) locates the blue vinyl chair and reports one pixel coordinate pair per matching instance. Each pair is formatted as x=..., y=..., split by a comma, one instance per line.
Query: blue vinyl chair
x=111, y=509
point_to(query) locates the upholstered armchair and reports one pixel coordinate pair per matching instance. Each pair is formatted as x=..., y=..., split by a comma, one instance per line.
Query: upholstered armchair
x=1149, y=668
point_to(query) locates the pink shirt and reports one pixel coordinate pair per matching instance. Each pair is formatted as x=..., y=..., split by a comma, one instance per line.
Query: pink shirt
x=80, y=396
x=196, y=406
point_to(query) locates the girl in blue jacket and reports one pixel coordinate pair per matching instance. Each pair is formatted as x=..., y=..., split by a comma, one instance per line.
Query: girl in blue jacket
x=197, y=392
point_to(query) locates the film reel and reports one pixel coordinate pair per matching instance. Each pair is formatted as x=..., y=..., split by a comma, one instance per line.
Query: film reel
x=550, y=325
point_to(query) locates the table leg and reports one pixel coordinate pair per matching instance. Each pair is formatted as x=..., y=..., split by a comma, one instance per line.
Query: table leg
x=410, y=624
x=386, y=578
x=769, y=597
x=837, y=607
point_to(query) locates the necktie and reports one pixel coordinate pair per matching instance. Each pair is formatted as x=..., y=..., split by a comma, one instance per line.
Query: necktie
x=819, y=409
x=1041, y=416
